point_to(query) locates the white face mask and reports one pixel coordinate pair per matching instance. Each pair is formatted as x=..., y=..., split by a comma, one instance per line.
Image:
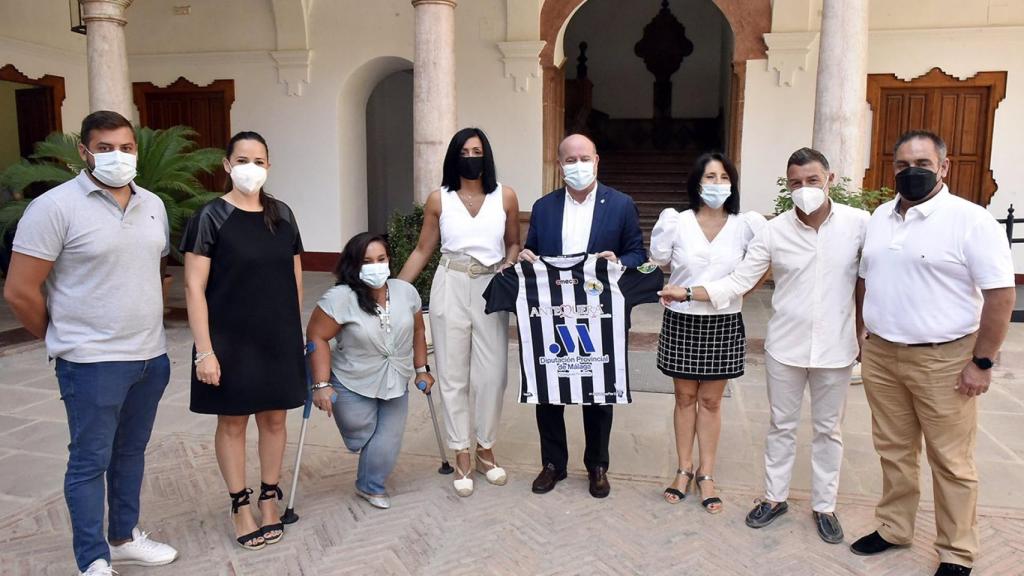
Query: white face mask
x=248, y=178
x=115, y=169
x=579, y=175
x=808, y=199
x=715, y=195
x=375, y=275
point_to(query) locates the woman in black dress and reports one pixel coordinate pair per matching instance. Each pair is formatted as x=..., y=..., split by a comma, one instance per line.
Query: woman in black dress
x=243, y=282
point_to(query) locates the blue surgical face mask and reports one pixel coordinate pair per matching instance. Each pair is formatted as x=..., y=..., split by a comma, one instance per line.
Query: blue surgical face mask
x=715, y=195
x=375, y=275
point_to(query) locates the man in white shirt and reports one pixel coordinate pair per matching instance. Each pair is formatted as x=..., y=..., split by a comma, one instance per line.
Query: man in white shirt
x=813, y=251
x=937, y=284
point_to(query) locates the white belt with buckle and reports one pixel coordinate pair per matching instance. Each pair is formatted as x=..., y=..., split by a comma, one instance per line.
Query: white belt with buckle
x=473, y=269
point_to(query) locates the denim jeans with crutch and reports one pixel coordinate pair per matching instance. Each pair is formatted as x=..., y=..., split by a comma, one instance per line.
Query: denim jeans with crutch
x=111, y=407
x=373, y=427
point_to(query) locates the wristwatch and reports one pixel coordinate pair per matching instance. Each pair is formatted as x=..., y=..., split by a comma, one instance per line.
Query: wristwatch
x=983, y=363
x=424, y=368
x=320, y=385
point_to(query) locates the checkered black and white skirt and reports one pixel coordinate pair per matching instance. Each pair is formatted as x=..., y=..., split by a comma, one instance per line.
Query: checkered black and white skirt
x=702, y=347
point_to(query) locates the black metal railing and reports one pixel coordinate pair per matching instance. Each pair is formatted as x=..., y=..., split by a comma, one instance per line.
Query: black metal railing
x=1009, y=221
x=1018, y=313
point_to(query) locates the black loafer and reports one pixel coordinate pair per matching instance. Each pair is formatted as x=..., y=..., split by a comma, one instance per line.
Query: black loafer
x=599, y=486
x=829, y=528
x=764, y=513
x=947, y=569
x=870, y=545
x=546, y=480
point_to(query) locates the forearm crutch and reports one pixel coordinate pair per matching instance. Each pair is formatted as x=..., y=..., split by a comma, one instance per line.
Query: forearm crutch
x=290, y=517
x=445, y=468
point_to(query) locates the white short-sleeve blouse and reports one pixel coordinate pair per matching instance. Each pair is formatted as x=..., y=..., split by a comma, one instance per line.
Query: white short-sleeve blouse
x=678, y=239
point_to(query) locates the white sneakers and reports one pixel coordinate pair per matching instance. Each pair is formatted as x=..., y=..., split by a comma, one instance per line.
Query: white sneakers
x=141, y=551
x=98, y=568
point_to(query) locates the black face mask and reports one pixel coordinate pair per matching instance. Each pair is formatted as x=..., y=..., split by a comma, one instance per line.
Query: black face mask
x=471, y=167
x=915, y=183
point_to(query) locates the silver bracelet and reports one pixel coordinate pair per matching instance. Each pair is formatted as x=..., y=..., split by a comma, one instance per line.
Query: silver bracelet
x=321, y=385
x=200, y=356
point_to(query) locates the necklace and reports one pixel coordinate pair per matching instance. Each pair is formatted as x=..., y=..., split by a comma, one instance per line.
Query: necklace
x=384, y=313
x=469, y=202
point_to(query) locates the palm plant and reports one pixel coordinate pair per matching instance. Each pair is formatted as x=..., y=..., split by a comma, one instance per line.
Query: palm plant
x=168, y=164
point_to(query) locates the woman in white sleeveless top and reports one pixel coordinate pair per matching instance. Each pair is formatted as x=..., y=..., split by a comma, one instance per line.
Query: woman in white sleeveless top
x=701, y=348
x=476, y=220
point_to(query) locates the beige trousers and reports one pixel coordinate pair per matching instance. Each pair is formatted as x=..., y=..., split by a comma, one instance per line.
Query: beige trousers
x=470, y=351
x=911, y=391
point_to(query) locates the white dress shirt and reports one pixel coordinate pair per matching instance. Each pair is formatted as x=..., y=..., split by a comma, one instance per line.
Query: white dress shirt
x=815, y=273
x=577, y=219
x=678, y=239
x=924, y=273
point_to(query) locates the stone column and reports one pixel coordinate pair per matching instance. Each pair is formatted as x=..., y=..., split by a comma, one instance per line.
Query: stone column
x=110, y=87
x=840, y=100
x=433, y=91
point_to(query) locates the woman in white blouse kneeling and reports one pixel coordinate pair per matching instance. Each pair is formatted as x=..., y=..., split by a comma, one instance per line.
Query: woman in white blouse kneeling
x=378, y=325
x=701, y=348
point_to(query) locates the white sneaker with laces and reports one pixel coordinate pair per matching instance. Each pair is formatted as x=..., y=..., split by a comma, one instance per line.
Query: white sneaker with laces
x=98, y=568
x=142, y=551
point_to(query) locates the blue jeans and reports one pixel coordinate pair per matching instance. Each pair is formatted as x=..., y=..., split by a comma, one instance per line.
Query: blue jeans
x=374, y=428
x=111, y=407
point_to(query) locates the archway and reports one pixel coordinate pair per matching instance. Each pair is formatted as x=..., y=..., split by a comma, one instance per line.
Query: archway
x=749, y=20
x=389, y=150
x=352, y=128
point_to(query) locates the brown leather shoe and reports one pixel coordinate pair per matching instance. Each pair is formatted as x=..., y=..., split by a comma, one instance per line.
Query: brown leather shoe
x=599, y=486
x=546, y=480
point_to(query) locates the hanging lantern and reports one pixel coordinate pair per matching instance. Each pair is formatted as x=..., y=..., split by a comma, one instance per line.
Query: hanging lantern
x=75, y=10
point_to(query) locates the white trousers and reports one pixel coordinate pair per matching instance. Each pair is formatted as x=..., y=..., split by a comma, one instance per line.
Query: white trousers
x=786, y=386
x=470, y=349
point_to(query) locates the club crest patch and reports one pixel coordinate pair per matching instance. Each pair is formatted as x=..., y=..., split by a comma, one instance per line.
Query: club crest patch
x=647, y=267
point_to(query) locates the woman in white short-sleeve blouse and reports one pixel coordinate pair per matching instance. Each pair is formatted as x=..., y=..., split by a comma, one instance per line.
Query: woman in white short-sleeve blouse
x=701, y=348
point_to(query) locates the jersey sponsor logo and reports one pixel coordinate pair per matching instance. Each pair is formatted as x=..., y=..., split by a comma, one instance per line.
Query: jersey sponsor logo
x=569, y=343
x=570, y=311
x=574, y=356
x=566, y=282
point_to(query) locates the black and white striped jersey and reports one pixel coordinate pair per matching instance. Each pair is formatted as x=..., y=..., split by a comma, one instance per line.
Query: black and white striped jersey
x=573, y=317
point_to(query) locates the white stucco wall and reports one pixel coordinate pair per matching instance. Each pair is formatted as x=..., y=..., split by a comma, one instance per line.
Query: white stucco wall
x=623, y=87
x=513, y=121
x=974, y=37
x=317, y=140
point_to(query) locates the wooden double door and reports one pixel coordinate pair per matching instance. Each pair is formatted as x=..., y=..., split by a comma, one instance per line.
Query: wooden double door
x=962, y=112
x=205, y=109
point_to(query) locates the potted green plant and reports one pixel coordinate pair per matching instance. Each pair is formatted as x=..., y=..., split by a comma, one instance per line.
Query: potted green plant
x=403, y=235
x=865, y=199
x=168, y=163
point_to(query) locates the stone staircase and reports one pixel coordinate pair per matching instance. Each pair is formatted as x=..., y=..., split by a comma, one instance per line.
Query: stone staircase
x=654, y=179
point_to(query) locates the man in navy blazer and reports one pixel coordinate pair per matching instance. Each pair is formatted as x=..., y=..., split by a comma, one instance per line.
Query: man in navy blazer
x=585, y=216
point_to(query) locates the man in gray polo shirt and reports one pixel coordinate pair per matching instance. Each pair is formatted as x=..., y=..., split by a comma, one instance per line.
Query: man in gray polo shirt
x=97, y=242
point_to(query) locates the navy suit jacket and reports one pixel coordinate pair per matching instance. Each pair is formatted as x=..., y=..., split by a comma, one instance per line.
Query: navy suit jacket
x=616, y=226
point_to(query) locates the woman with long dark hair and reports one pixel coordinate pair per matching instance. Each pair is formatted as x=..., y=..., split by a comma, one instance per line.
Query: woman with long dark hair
x=243, y=287
x=378, y=324
x=701, y=348
x=476, y=221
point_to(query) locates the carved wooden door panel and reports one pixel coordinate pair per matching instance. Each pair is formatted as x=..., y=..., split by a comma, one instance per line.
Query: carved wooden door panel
x=961, y=112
